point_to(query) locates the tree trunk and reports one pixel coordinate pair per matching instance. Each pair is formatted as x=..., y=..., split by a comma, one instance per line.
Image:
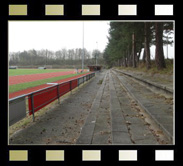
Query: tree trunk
x=146, y=48
x=134, y=54
x=159, y=54
x=144, y=57
x=129, y=57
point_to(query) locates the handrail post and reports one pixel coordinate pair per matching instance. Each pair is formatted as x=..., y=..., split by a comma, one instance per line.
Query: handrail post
x=32, y=105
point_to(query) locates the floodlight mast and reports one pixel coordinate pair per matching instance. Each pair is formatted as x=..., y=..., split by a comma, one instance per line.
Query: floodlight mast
x=83, y=49
x=96, y=52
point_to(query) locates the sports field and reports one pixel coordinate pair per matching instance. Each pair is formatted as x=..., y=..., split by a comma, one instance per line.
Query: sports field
x=15, y=72
x=22, y=81
x=18, y=79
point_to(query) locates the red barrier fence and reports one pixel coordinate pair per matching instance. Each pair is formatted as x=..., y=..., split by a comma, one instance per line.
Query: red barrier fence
x=64, y=88
x=41, y=98
x=46, y=96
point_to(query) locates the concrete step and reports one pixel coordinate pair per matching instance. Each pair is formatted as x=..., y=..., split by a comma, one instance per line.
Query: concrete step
x=156, y=106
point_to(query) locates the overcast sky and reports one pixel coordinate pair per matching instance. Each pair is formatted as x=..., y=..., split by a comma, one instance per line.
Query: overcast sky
x=55, y=35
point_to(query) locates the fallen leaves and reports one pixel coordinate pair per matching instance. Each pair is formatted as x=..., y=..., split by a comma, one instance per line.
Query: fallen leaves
x=127, y=122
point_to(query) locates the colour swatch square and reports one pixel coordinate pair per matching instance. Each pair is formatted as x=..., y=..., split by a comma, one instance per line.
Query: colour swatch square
x=18, y=155
x=91, y=155
x=127, y=10
x=17, y=10
x=164, y=155
x=127, y=155
x=54, y=10
x=163, y=10
x=54, y=155
x=91, y=10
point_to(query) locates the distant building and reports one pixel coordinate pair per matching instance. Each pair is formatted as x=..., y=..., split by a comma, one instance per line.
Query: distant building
x=13, y=67
x=95, y=68
x=41, y=67
x=48, y=66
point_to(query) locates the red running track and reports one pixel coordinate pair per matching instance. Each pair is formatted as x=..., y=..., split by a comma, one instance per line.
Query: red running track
x=29, y=90
x=34, y=77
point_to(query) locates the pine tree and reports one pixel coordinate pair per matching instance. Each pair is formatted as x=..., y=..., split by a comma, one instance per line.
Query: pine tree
x=146, y=44
x=159, y=54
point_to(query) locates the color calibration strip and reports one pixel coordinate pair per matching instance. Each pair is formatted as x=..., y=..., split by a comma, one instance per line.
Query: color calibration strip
x=18, y=10
x=18, y=155
x=91, y=155
x=54, y=155
x=128, y=155
x=127, y=10
x=164, y=155
x=164, y=10
x=54, y=10
x=90, y=10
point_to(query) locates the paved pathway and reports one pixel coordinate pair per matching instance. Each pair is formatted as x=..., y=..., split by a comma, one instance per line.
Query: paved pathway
x=62, y=124
x=114, y=120
x=102, y=112
x=157, y=106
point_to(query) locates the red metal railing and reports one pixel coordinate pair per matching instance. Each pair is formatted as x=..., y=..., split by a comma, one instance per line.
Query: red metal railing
x=41, y=98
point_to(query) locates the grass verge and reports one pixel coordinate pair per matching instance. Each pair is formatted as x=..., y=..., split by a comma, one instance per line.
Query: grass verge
x=153, y=70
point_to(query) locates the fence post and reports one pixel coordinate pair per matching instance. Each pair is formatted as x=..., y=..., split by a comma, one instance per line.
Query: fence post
x=58, y=94
x=32, y=105
x=71, y=86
